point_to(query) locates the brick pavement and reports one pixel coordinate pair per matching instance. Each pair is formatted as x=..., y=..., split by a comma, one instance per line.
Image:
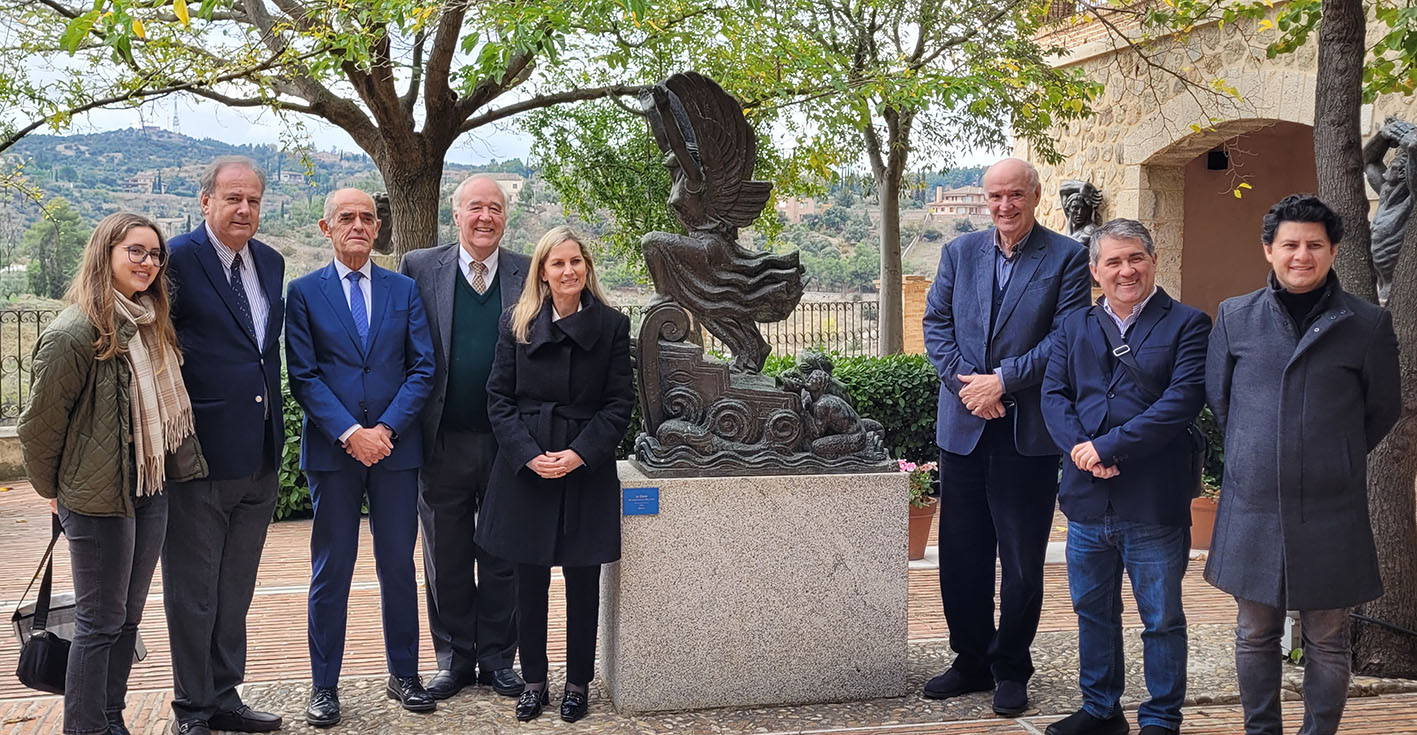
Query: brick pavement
x=278, y=648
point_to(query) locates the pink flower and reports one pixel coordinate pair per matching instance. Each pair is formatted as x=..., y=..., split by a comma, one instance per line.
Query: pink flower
x=906, y=466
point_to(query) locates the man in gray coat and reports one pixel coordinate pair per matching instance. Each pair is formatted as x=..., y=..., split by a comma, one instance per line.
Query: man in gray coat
x=466, y=286
x=1293, y=531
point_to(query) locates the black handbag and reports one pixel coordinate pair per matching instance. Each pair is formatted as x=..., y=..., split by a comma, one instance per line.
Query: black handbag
x=1123, y=352
x=44, y=656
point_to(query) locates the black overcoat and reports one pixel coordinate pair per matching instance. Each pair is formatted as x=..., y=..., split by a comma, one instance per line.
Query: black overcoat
x=569, y=387
x=1300, y=413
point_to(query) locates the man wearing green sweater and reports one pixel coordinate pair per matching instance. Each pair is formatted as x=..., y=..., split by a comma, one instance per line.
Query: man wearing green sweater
x=466, y=285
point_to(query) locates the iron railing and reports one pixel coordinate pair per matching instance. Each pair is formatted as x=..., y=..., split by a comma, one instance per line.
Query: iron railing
x=846, y=327
x=19, y=328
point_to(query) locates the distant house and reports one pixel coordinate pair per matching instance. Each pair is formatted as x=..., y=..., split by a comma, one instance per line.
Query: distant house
x=794, y=208
x=141, y=183
x=965, y=201
x=510, y=184
x=171, y=226
x=292, y=177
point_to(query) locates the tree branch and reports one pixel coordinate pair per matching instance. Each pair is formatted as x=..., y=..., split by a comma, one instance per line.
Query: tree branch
x=547, y=100
x=411, y=94
x=438, y=97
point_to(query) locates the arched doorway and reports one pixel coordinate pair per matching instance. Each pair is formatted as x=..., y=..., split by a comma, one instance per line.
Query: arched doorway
x=1195, y=204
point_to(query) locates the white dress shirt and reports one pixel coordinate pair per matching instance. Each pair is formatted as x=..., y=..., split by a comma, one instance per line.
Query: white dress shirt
x=1125, y=323
x=250, y=283
x=465, y=263
x=343, y=270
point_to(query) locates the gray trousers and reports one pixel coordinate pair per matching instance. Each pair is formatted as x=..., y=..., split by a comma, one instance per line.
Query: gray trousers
x=472, y=621
x=1258, y=666
x=113, y=561
x=215, y=533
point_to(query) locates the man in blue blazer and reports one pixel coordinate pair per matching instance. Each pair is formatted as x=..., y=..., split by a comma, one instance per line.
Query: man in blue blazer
x=995, y=301
x=361, y=365
x=1124, y=381
x=227, y=309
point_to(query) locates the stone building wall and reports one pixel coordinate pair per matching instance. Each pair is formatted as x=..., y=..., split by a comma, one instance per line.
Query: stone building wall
x=1149, y=125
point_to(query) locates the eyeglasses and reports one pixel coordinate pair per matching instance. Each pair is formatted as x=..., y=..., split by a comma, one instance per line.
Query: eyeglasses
x=137, y=254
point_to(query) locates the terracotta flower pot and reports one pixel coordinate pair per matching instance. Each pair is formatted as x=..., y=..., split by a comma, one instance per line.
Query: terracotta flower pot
x=920, y=522
x=1203, y=521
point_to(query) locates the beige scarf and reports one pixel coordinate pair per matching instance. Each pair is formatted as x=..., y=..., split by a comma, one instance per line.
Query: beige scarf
x=162, y=415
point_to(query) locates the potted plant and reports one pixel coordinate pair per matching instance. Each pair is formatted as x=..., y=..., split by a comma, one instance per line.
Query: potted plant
x=922, y=505
x=1204, y=507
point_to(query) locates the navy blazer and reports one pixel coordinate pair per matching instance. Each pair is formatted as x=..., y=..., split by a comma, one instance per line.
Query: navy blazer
x=232, y=382
x=1049, y=281
x=1088, y=395
x=340, y=382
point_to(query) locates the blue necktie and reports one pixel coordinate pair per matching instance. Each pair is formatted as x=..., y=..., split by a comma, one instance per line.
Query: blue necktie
x=243, y=304
x=357, y=309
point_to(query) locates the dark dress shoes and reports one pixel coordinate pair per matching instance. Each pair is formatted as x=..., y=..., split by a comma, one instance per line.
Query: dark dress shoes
x=190, y=727
x=1011, y=698
x=574, y=705
x=530, y=702
x=409, y=691
x=1082, y=723
x=323, y=709
x=244, y=719
x=505, y=682
x=952, y=684
x=117, y=728
x=446, y=683
x=1157, y=730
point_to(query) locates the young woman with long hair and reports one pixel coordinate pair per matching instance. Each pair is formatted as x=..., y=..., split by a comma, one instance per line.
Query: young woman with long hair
x=107, y=425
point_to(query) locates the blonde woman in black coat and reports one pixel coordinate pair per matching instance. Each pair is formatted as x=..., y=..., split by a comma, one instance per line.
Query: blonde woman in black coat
x=559, y=399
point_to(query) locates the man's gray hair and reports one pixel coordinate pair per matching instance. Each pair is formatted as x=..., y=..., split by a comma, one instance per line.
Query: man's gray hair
x=1119, y=229
x=209, y=174
x=456, y=198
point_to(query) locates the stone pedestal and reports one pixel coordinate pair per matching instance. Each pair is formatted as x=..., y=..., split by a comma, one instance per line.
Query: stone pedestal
x=758, y=591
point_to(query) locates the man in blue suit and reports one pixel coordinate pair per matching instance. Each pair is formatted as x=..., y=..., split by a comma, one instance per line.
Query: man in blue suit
x=1124, y=381
x=361, y=365
x=989, y=317
x=227, y=309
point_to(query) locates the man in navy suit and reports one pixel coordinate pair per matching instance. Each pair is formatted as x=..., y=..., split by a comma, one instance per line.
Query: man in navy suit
x=1124, y=381
x=361, y=365
x=227, y=309
x=989, y=317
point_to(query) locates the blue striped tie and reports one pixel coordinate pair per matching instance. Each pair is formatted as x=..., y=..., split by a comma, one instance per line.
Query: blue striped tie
x=356, y=308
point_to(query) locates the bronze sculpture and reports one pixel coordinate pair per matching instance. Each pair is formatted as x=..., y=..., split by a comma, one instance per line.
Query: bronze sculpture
x=705, y=417
x=1391, y=182
x=709, y=150
x=1081, y=202
x=384, y=243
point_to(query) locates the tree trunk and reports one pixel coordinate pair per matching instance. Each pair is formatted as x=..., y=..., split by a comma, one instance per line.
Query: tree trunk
x=415, y=184
x=1338, y=149
x=890, y=303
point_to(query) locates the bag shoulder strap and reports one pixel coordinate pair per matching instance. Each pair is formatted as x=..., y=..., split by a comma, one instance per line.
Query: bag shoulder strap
x=1123, y=352
x=46, y=585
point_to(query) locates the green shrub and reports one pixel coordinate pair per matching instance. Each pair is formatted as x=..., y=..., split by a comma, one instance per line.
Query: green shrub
x=293, y=500
x=901, y=392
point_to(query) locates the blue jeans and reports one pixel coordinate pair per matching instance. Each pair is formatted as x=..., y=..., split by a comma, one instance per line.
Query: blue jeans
x=1155, y=558
x=113, y=559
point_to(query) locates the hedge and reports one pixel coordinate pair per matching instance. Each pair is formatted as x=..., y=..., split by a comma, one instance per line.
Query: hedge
x=897, y=390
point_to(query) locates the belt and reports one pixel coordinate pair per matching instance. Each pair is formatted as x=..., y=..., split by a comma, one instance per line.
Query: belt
x=545, y=410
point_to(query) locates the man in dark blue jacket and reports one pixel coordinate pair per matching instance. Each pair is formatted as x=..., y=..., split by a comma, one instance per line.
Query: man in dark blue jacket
x=1124, y=381
x=227, y=308
x=361, y=365
x=989, y=319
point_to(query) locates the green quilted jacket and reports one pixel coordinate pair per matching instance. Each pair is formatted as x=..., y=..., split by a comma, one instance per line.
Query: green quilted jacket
x=75, y=431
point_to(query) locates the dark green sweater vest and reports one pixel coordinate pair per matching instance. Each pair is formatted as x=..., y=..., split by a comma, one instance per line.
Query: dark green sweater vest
x=470, y=356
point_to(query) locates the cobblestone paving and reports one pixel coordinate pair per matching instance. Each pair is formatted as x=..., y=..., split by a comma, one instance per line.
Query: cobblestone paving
x=278, y=670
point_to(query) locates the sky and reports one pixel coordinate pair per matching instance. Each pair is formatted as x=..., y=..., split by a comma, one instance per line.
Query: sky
x=199, y=118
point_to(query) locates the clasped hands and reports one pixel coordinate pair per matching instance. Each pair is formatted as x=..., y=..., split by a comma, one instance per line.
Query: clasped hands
x=551, y=465
x=370, y=445
x=982, y=394
x=1085, y=456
